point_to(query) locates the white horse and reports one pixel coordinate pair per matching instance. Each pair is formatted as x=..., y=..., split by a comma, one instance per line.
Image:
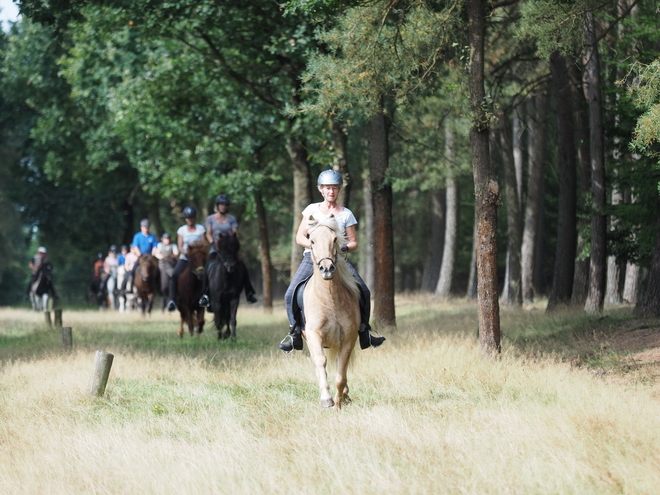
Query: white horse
x=332, y=308
x=111, y=286
x=126, y=301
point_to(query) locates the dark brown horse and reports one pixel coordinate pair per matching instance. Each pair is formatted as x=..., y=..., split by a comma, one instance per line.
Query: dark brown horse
x=146, y=282
x=226, y=279
x=190, y=286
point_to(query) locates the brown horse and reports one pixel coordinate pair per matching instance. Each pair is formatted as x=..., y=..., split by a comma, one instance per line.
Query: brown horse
x=190, y=286
x=146, y=282
x=332, y=308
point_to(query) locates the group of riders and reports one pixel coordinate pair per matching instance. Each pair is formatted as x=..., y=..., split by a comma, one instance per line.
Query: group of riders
x=172, y=257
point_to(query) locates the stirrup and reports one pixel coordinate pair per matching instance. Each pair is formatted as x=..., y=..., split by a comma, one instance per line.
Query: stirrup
x=287, y=343
x=204, y=301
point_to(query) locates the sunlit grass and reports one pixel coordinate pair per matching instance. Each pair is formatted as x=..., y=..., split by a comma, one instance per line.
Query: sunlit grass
x=429, y=414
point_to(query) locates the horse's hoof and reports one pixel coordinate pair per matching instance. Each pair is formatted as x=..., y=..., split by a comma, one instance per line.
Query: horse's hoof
x=226, y=335
x=326, y=403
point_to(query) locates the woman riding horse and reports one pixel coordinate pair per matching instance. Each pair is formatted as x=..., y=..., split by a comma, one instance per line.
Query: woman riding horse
x=329, y=183
x=222, y=223
x=186, y=235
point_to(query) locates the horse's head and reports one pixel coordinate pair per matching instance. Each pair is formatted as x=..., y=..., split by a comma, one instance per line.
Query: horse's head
x=227, y=247
x=324, y=245
x=197, y=254
x=146, y=266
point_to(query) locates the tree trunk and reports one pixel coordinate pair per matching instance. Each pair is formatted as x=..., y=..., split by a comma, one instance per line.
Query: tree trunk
x=536, y=124
x=366, y=237
x=471, y=291
x=302, y=195
x=266, y=265
x=431, y=273
x=443, y=289
x=649, y=304
x=614, y=272
x=339, y=144
x=631, y=284
x=596, y=294
x=512, y=292
x=516, y=139
x=486, y=190
x=562, y=280
x=581, y=127
x=384, y=314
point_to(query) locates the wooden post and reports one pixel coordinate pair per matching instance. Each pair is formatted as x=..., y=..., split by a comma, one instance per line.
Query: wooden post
x=47, y=316
x=67, y=339
x=58, y=318
x=102, y=365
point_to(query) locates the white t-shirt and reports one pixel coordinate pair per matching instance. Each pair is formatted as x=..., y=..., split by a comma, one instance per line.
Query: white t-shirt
x=189, y=237
x=345, y=217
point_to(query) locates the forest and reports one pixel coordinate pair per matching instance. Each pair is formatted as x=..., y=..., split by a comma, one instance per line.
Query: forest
x=505, y=150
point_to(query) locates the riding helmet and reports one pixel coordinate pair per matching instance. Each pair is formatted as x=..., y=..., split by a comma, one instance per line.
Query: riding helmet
x=145, y=222
x=41, y=250
x=165, y=235
x=124, y=247
x=113, y=249
x=222, y=199
x=99, y=256
x=189, y=212
x=329, y=178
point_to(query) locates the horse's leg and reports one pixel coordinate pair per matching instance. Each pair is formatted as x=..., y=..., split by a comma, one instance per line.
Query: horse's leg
x=233, y=309
x=200, y=321
x=341, y=380
x=315, y=345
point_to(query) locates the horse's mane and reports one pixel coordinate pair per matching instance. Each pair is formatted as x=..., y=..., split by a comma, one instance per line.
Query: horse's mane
x=198, y=247
x=344, y=273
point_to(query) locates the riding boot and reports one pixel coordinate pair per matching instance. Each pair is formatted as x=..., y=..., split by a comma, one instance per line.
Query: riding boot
x=251, y=297
x=292, y=341
x=366, y=339
x=171, y=305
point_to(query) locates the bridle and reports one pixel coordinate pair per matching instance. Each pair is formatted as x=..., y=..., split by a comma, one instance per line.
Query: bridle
x=318, y=262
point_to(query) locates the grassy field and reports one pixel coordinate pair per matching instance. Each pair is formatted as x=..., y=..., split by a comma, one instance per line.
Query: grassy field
x=565, y=410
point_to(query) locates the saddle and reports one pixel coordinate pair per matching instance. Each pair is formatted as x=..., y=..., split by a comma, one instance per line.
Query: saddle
x=297, y=304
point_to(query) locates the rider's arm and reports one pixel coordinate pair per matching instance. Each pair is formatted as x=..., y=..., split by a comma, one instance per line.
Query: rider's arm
x=301, y=236
x=209, y=233
x=351, y=235
x=179, y=242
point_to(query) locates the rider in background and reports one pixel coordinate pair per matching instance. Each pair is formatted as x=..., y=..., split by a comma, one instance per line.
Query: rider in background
x=223, y=223
x=144, y=242
x=121, y=258
x=187, y=234
x=35, y=263
x=329, y=183
x=130, y=262
x=98, y=265
x=111, y=262
x=166, y=253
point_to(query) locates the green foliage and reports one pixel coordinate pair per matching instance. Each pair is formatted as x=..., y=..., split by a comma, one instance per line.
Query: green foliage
x=380, y=49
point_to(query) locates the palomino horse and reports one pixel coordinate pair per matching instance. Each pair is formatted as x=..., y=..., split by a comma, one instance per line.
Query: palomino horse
x=332, y=308
x=226, y=278
x=42, y=287
x=146, y=282
x=190, y=286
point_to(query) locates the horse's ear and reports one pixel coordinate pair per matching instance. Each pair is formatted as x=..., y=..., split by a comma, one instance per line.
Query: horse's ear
x=311, y=222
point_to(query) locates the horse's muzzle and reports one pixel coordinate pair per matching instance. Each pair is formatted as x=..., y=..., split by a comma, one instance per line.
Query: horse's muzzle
x=327, y=270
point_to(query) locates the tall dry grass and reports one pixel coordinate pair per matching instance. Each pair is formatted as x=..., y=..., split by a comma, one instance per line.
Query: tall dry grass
x=429, y=415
